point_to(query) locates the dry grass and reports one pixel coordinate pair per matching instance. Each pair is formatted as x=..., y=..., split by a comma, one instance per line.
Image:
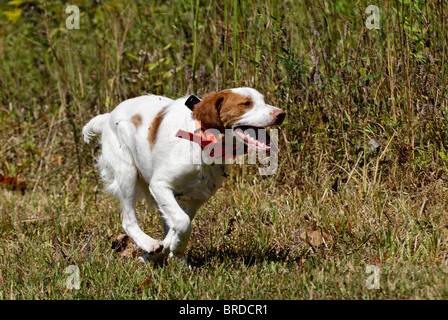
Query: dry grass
x=338, y=202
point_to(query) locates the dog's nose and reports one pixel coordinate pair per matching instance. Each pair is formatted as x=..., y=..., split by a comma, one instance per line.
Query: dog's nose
x=279, y=116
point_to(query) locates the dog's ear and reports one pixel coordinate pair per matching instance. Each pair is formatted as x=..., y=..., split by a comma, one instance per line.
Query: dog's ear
x=208, y=111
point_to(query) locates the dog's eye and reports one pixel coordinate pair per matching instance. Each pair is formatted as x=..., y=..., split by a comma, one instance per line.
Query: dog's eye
x=247, y=103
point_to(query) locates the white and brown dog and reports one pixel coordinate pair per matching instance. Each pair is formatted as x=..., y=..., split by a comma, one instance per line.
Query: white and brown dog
x=143, y=155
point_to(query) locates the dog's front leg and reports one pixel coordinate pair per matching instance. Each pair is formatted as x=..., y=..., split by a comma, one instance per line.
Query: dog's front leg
x=178, y=222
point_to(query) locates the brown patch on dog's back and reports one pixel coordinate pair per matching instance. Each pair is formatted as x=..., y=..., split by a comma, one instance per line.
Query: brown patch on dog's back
x=136, y=120
x=152, y=131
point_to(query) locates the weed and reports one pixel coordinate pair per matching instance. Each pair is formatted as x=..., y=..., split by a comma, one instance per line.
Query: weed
x=362, y=170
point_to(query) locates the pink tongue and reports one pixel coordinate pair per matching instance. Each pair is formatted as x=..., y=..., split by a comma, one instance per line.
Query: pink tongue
x=258, y=145
x=240, y=133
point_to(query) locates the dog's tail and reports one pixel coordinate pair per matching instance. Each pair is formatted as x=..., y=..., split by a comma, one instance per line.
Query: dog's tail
x=94, y=127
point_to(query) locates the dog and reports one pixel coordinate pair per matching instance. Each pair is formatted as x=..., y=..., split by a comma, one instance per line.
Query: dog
x=149, y=149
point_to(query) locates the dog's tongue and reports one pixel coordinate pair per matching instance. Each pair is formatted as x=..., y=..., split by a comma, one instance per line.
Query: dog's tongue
x=255, y=137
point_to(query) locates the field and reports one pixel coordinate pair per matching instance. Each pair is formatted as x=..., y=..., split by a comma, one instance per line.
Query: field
x=356, y=210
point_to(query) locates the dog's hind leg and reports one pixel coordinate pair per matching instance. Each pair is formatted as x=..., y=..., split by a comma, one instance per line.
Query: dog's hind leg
x=127, y=184
x=118, y=170
x=144, y=193
x=121, y=178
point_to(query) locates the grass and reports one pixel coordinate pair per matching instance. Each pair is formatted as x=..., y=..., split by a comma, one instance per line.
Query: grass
x=259, y=257
x=363, y=161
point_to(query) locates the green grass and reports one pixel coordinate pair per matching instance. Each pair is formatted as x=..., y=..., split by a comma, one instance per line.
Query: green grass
x=261, y=257
x=340, y=86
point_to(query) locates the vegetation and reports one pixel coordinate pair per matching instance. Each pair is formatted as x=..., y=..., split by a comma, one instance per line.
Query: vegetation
x=363, y=151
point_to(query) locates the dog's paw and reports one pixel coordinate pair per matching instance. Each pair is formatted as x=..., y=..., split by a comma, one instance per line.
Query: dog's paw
x=155, y=252
x=155, y=249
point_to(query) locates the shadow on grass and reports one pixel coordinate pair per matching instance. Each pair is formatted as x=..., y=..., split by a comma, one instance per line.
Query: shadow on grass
x=247, y=256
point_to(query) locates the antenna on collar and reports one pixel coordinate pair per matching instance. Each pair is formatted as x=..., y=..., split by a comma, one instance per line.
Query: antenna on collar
x=191, y=101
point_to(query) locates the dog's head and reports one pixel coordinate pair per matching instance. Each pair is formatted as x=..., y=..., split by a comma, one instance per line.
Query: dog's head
x=241, y=110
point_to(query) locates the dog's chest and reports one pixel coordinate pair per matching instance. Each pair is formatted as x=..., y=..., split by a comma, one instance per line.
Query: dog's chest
x=200, y=184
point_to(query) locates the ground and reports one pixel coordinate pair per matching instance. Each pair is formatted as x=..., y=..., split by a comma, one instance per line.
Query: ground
x=357, y=206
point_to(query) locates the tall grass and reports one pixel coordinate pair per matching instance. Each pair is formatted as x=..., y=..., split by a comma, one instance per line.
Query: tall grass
x=363, y=149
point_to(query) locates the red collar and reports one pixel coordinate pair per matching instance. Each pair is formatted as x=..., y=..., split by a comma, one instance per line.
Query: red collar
x=211, y=143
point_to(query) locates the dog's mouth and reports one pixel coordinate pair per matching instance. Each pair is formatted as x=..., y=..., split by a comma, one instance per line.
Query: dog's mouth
x=256, y=137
